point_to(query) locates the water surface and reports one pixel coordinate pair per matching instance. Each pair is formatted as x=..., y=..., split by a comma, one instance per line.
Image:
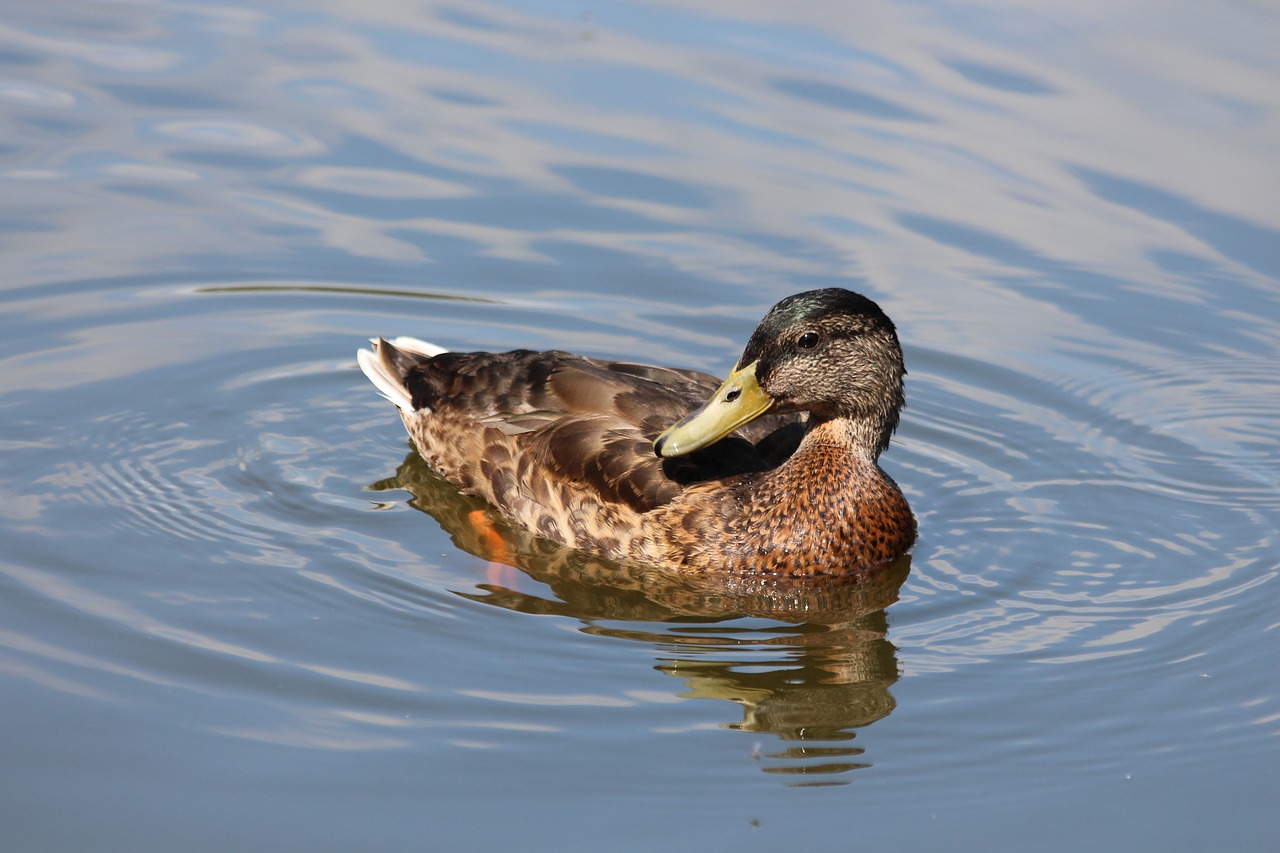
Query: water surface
x=236, y=612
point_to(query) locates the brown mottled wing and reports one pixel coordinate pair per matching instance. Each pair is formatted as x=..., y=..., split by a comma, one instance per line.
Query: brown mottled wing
x=585, y=421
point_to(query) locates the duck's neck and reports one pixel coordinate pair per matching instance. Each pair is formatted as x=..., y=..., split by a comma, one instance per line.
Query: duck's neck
x=855, y=441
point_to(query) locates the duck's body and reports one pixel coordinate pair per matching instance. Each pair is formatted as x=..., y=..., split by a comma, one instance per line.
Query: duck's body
x=565, y=445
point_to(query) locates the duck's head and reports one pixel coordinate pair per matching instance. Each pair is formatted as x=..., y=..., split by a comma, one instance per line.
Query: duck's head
x=831, y=352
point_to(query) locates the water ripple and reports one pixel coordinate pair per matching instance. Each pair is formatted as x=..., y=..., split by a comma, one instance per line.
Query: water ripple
x=31, y=94
x=238, y=134
x=1199, y=536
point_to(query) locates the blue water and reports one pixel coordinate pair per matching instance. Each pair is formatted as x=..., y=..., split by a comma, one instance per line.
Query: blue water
x=237, y=613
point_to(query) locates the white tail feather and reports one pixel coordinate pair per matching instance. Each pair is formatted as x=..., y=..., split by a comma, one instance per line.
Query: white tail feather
x=376, y=367
x=414, y=345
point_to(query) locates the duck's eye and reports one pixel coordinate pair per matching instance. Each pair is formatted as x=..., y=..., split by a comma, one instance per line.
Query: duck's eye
x=808, y=340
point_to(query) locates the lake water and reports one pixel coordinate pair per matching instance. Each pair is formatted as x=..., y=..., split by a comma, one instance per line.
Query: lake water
x=237, y=614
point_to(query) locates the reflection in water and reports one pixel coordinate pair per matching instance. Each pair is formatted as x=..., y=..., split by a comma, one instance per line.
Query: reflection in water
x=810, y=682
x=811, y=692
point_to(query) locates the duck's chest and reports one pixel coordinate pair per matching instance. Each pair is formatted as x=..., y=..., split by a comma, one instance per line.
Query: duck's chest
x=831, y=516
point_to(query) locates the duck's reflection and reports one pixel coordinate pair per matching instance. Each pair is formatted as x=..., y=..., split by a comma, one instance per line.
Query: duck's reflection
x=818, y=669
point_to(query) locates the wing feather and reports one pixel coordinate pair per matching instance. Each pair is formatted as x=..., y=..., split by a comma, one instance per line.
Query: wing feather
x=585, y=423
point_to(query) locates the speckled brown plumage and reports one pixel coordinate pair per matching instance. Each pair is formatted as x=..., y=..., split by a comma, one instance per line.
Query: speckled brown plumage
x=564, y=445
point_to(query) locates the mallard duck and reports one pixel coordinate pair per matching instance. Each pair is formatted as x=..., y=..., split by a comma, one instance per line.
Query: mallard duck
x=773, y=471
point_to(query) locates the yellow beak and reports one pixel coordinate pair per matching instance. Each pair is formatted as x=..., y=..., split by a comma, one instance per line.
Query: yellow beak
x=738, y=401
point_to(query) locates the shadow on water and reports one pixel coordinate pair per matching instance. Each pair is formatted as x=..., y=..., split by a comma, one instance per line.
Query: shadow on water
x=820, y=670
